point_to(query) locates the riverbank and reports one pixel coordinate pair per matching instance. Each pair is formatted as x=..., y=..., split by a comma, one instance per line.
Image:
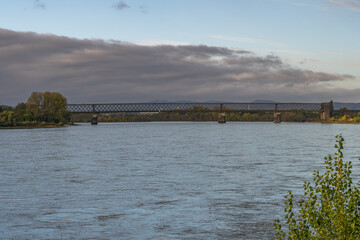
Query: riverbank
x=199, y=116
x=54, y=125
x=38, y=125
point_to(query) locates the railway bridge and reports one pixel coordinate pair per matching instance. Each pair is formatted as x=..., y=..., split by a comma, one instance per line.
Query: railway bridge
x=324, y=109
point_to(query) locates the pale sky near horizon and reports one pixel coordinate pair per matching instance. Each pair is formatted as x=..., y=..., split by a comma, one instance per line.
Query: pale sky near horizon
x=315, y=35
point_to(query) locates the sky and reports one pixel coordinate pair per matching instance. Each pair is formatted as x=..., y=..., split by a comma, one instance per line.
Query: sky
x=110, y=51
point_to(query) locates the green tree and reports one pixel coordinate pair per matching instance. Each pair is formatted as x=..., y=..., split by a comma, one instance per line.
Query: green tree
x=331, y=204
x=48, y=107
x=19, y=112
x=7, y=119
x=331, y=105
x=34, y=104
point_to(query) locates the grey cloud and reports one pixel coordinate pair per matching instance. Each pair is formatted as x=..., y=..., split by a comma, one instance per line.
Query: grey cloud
x=88, y=71
x=39, y=4
x=121, y=5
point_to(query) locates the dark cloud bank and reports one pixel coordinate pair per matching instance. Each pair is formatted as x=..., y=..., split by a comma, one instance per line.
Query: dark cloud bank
x=91, y=71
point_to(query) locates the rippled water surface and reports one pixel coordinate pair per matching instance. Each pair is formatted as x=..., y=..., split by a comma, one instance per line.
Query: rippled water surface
x=158, y=180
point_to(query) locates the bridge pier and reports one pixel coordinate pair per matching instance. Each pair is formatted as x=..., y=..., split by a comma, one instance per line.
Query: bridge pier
x=277, y=117
x=222, y=115
x=326, y=110
x=94, y=119
x=222, y=118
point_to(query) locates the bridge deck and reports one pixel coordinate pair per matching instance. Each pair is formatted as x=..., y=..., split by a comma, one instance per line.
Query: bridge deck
x=192, y=107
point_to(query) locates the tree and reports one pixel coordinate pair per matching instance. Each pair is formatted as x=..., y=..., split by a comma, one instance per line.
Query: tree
x=48, y=107
x=331, y=204
x=55, y=107
x=331, y=106
x=34, y=104
x=7, y=118
x=19, y=112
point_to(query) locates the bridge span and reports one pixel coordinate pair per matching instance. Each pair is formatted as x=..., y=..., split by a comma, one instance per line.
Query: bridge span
x=222, y=108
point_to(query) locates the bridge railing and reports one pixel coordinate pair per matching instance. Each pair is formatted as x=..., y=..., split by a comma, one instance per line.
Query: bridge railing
x=196, y=107
x=273, y=106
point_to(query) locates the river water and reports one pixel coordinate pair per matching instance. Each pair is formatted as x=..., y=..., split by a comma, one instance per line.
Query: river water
x=183, y=180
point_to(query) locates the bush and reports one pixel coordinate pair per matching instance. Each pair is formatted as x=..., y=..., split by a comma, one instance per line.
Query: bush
x=343, y=119
x=43, y=124
x=7, y=119
x=331, y=204
x=28, y=117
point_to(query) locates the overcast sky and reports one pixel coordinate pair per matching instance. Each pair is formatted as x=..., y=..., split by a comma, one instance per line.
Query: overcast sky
x=200, y=50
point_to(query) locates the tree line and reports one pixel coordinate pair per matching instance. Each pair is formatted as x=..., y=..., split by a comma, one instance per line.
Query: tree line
x=41, y=108
x=44, y=108
x=193, y=115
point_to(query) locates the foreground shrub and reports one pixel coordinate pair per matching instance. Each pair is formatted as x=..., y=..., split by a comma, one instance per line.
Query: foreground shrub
x=330, y=208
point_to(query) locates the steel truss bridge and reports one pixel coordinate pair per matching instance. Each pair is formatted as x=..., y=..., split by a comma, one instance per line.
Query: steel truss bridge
x=195, y=107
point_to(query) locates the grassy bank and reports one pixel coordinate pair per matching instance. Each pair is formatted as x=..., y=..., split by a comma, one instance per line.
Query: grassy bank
x=37, y=125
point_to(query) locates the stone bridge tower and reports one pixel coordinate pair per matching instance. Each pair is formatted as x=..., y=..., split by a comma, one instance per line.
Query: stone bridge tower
x=327, y=110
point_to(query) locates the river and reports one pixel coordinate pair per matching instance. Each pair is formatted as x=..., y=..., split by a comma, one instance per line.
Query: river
x=158, y=180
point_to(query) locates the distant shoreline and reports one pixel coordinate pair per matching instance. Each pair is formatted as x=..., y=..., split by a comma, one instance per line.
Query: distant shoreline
x=38, y=126
x=74, y=124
